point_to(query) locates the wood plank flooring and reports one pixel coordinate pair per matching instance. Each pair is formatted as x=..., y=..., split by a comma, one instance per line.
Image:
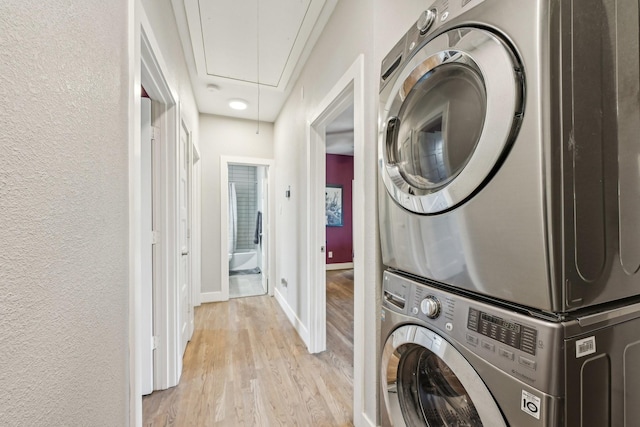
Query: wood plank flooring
x=247, y=366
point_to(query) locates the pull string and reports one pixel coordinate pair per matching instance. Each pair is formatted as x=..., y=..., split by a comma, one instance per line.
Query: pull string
x=258, y=61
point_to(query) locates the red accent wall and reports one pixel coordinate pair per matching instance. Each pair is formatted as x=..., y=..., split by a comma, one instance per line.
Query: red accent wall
x=340, y=239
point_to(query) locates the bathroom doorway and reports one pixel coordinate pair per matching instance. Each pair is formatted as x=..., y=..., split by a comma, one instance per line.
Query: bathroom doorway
x=246, y=215
x=247, y=202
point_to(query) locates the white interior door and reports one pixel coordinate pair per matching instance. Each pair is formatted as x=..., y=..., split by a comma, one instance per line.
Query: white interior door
x=185, y=309
x=146, y=353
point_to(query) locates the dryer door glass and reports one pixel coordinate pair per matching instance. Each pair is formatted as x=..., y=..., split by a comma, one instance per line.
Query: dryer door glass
x=440, y=123
x=450, y=118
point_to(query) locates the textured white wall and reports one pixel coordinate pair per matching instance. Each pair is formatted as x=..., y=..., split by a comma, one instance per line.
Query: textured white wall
x=64, y=213
x=223, y=136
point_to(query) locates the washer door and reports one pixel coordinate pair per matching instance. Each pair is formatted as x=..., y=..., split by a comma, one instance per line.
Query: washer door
x=451, y=116
x=427, y=382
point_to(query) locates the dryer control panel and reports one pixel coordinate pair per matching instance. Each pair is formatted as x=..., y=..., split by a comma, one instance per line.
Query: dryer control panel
x=433, y=17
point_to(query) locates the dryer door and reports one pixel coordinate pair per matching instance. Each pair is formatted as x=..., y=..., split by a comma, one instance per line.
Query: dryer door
x=427, y=382
x=450, y=119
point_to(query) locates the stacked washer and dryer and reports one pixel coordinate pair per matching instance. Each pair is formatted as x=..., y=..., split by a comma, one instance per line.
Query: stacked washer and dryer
x=509, y=206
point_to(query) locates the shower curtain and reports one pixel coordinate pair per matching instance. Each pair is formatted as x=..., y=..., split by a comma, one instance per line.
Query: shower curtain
x=233, y=219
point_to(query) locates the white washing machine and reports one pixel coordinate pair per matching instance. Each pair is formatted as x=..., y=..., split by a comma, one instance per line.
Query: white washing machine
x=508, y=150
x=448, y=360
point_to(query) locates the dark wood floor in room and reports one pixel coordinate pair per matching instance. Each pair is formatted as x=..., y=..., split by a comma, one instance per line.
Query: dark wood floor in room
x=246, y=366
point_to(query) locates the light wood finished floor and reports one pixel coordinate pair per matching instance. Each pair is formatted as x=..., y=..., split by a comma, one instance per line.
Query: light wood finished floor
x=246, y=366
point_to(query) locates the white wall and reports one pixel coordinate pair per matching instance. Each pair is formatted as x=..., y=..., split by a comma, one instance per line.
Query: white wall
x=223, y=136
x=370, y=27
x=64, y=265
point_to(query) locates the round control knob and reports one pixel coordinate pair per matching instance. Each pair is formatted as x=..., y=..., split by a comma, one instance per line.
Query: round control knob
x=426, y=20
x=430, y=306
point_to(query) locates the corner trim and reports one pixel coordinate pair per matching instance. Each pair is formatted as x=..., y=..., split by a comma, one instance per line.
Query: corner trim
x=291, y=315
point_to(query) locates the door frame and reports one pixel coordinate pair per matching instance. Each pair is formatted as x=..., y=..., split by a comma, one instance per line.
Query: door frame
x=225, y=161
x=184, y=127
x=167, y=357
x=196, y=246
x=148, y=68
x=349, y=89
x=146, y=238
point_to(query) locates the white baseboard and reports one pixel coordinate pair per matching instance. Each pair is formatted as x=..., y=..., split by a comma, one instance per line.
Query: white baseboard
x=206, y=297
x=340, y=266
x=293, y=318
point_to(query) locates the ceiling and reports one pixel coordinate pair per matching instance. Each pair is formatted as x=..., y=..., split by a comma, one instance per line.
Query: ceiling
x=247, y=49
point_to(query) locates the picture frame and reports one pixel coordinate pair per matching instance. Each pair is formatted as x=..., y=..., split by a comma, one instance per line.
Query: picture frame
x=333, y=206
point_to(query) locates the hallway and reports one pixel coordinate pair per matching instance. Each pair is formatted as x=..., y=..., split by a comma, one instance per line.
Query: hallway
x=246, y=365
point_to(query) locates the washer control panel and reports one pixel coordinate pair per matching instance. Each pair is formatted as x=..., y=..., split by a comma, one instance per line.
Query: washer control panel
x=510, y=333
x=521, y=345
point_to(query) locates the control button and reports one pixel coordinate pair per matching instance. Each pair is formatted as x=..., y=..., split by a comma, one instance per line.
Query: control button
x=415, y=310
x=472, y=339
x=488, y=346
x=506, y=353
x=527, y=362
x=472, y=320
x=412, y=45
x=430, y=306
x=444, y=16
x=449, y=326
x=426, y=20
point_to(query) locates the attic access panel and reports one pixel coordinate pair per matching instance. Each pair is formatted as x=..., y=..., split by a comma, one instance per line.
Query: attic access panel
x=229, y=31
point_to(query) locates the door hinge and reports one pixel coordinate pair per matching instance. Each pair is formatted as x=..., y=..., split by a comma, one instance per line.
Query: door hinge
x=154, y=342
x=155, y=237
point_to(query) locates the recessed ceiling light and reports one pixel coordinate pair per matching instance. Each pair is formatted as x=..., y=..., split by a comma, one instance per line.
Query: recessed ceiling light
x=238, y=104
x=213, y=88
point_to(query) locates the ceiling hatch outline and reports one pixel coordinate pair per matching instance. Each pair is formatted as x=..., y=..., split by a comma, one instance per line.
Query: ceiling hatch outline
x=306, y=22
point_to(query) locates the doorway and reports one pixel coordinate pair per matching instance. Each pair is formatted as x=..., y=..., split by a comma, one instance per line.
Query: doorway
x=348, y=90
x=339, y=236
x=247, y=203
x=247, y=209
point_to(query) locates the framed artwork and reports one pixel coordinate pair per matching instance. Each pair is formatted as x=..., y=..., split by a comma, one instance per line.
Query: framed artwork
x=333, y=205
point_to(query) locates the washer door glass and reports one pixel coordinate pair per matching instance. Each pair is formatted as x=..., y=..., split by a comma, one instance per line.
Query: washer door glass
x=430, y=393
x=429, y=383
x=449, y=120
